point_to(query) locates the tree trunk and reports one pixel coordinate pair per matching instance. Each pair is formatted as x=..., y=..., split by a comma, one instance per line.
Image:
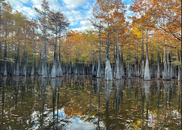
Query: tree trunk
x=136, y=65
x=118, y=74
x=39, y=71
x=129, y=71
x=5, y=56
x=108, y=70
x=69, y=69
x=158, y=64
x=44, y=69
x=158, y=60
x=113, y=67
x=40, y=65
x=93, y=64
x=76, y=69
x=98, y=70
x=54, y=66
x=142, y=57
x=147, y=70
x=181, y=63
x=24, y=66
x=172, y=72
x=0, y=42
x=122, y=72
x=83, y=68
x=5, y=69
x=59, y=69
x=32, y=69
x=168, y=64
x=165, y=74
x=17, y=67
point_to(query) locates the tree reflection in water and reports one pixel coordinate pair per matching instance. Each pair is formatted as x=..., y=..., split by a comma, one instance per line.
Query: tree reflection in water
x=3, y=98
x=98, y=89
x=117, y=92
x=80, y=102
x=108, y=86
x=158, y=95
x=147, y=90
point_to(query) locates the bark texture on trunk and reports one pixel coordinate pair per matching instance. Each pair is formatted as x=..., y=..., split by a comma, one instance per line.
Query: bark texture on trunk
x=54, y=66
x=142, y=57
x=147, y=70
x=99, y=70
x=122, y=72
x=24, y=64
x=181, y=63
x=44, y=69
x=59, y=68
x=118, y=74
x=5, y=56
x=165, y=74
x=129, y=71
x=54, y=69
x=108, y=70
x=158, y=65
x=32, y=72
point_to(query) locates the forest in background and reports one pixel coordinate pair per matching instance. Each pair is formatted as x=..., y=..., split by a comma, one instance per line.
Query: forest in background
x=148, y=47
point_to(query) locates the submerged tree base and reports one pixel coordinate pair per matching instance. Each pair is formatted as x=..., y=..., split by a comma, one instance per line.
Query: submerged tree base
x=108, y=71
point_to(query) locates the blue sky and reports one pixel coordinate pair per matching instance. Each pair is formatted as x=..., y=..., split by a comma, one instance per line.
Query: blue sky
x=77, y=11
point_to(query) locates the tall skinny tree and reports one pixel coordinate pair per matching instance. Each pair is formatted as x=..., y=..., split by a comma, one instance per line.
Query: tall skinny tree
x=57, y=23
x=43, y=21
x=103, y=10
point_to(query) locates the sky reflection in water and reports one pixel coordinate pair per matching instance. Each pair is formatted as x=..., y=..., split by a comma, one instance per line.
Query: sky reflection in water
x=82, y=103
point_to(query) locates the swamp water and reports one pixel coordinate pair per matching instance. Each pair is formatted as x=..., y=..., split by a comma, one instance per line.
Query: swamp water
x=83, y=103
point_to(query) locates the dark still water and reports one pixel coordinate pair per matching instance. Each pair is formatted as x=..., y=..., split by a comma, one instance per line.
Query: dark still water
x=83, y=103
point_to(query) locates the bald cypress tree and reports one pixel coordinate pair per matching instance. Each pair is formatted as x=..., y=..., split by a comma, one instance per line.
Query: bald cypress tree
x=57, y=24
x=43, y=22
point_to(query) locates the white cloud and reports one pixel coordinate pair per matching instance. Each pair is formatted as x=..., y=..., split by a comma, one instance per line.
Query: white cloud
x=73, y=16
x=27, y=10
x=36, y=2
x=77, y=17
x=128, y=13
x=72, y=4
x=15, y=3
x=24, y=1
x=18, y=5
x=85, y=25
x=54, y=5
